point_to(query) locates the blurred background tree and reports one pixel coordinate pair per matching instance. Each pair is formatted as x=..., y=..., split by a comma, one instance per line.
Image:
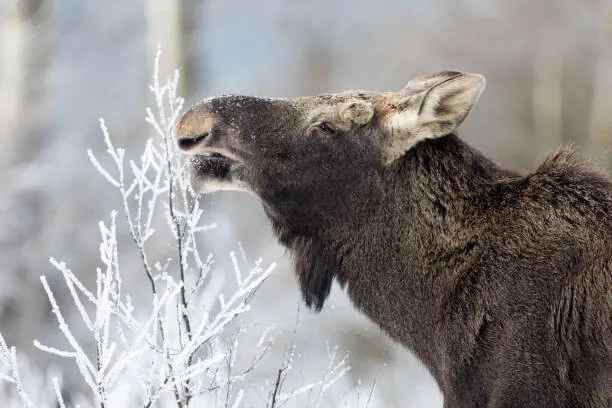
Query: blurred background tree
x=27, y=49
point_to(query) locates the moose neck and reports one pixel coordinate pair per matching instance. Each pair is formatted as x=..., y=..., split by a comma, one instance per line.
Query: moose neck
x=406, y=267
x=406, y=261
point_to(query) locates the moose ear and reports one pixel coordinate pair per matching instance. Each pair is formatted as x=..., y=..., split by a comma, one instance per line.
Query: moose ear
x=430, y=109
x=425, y=82
x=357, y=111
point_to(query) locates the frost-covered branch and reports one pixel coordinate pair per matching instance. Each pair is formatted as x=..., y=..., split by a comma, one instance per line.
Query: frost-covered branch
x=8, y=358
x=335, y=370
x=181, y=346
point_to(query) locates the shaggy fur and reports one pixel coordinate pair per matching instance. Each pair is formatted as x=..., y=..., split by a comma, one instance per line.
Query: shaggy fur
x=500, y=282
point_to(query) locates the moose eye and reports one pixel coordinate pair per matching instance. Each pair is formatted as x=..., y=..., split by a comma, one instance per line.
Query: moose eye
x=326, y=128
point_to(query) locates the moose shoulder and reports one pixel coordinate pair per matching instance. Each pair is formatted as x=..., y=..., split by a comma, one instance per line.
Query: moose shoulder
x=500, y=282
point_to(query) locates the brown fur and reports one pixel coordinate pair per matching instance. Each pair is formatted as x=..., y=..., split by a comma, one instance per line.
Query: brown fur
x=501, y=283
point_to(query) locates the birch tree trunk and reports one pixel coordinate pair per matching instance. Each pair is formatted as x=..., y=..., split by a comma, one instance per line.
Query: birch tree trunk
x=26, y=50
x=171, y=25
x=600, y=123
x=547, y=91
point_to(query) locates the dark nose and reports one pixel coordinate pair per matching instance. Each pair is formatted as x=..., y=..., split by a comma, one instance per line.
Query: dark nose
x=187, y=142
x=194, y=128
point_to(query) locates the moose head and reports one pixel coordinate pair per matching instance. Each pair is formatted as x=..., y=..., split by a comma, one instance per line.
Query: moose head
x=316, y=162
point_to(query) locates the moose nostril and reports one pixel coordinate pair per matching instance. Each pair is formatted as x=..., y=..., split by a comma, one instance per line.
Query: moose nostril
x=188, y=142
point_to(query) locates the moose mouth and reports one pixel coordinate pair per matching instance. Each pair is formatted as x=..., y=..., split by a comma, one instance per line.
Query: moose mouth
x=215, y=165
x=215, y=171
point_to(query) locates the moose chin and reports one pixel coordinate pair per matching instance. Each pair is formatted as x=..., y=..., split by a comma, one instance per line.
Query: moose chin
x=500, y=282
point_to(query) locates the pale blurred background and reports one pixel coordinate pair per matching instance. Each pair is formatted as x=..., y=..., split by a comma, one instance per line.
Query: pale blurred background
x=64, y=64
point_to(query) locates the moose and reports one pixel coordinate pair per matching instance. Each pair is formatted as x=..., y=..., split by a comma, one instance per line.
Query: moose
x=499, y=282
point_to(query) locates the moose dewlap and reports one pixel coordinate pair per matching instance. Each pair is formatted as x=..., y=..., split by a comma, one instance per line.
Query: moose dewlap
x=500, y=282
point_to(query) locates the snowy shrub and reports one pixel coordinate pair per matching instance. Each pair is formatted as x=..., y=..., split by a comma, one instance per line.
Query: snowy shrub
x=180, y=348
